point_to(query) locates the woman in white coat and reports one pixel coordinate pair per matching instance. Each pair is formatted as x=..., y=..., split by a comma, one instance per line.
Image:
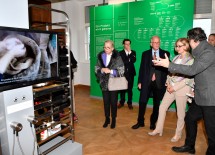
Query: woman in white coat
x=177, y=87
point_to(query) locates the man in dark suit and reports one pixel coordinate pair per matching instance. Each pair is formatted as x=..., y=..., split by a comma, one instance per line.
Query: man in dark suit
x=151, y=81
x=129, y=58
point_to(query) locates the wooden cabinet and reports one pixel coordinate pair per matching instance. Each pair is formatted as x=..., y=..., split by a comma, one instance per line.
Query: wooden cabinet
x=39, y=16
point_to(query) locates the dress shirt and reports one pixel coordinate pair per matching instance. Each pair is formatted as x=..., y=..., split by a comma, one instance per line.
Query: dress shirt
x=127, y=52
x=108, y=59
x=157, y=53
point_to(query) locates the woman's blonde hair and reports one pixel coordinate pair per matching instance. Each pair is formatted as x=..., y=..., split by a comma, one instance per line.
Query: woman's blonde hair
x=185, y=42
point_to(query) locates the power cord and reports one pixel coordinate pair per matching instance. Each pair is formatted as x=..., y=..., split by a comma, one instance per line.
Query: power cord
x=33, y=121
x=19, y=144
x=13, y=142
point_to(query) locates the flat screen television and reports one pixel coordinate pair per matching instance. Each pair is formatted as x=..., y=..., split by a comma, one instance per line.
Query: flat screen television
x=27, y=57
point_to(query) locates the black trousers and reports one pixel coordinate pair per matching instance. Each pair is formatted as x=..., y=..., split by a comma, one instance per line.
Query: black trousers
x=156, y=103
x=129, y=91
x=194, y=114
x=110, y=103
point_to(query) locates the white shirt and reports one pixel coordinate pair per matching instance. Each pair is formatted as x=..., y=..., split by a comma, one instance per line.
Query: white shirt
x=127, y=52
x=108, y=59
x=157, y=53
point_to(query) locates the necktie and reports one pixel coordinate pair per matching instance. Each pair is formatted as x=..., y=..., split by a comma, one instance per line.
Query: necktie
x=128, y=56
x=154, y=56
x=153, y=75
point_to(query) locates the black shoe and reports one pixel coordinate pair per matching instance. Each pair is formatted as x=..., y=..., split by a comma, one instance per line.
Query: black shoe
x=120, y=106
x=130, y=106
x=152, y=127
x=184, y=148
x=107, y=121
x=136, y=126
x=113, y=123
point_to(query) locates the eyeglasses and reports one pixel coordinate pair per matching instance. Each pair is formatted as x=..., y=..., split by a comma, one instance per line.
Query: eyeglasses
x=108, y=48
x=179, y=46
x=155, y=42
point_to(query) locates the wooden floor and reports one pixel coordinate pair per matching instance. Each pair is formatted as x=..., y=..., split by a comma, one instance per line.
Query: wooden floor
x=123, y=140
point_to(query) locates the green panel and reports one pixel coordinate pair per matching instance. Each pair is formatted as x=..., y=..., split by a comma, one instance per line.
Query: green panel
x=101, y=29
x=121, y=17
x=92, y=13
x=103, y=12
x=139, y=21
x=121, y=24
x=169, y=19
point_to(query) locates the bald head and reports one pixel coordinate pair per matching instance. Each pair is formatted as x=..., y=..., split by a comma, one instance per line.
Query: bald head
x=155, y=42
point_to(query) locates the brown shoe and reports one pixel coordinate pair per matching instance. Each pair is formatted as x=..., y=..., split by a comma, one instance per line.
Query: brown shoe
x=120, y=106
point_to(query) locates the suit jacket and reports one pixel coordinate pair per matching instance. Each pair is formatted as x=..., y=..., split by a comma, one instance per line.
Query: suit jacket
x=145, y=76
x=181, y=88
x=129, y=63
x=203, y=70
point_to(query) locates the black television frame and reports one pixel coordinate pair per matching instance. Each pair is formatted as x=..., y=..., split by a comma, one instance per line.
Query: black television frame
x=23, y=82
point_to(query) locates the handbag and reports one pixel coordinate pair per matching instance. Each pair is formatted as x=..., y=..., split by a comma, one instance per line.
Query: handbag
x=117, y=83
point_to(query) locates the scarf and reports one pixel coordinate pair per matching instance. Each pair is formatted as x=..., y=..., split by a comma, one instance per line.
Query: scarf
x=187, y=60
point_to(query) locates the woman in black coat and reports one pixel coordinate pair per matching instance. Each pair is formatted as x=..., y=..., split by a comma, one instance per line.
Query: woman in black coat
x=109, y=64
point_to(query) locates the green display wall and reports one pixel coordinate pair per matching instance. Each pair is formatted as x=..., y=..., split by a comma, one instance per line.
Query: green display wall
x=138, y=21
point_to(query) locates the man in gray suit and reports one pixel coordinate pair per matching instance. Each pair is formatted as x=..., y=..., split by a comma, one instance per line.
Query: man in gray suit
x=203, y=70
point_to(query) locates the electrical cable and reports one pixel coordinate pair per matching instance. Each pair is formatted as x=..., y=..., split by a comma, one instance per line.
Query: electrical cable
x=35, y=141
x=13, y=142
x=33, y=121
x=19, y=144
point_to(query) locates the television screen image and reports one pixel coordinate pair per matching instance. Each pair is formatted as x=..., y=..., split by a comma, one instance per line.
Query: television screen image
x=27, y=57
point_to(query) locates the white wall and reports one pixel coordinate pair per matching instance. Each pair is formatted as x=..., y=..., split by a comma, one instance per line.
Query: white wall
x=208, y=16
x=14, y=13
x=76, y=13
x=205, y=24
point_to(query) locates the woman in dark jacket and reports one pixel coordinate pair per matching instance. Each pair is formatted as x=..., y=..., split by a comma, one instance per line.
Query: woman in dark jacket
x=109, y=64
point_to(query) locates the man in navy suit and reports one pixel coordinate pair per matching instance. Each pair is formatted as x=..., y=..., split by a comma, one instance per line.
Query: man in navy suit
x=151, y=80
x=129, y=58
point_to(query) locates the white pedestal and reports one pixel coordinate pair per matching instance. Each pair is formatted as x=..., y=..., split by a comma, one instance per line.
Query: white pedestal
x=15, y=106
x=68, y=148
